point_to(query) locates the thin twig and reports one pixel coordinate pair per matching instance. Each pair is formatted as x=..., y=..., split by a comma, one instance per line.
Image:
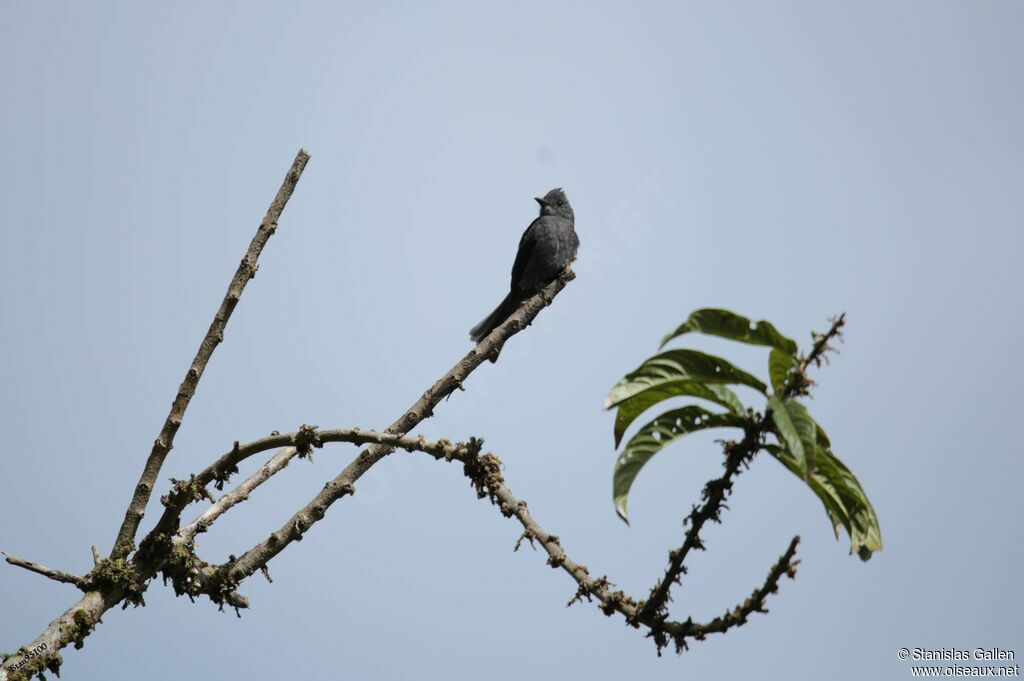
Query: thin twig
x=799, y=383
x=214, y=335
x=56, y=575
x=239, y=494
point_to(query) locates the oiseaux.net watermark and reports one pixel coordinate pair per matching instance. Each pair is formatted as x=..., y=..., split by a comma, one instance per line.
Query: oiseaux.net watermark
x=960, y=662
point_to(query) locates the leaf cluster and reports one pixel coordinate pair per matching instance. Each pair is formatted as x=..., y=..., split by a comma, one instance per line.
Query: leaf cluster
x=790, y=434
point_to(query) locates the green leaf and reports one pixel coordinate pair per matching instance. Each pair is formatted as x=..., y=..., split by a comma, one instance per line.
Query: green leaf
x=865, y=532
x=821, y=436
x=632, y=407
x=780, y=365
x=727, y=324
x=834, y=507
x=796, y=430
x=675, y=367
x=654, y=436
x=844, y=499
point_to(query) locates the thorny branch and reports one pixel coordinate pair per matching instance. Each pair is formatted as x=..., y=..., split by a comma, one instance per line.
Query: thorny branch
x=485, y=474
x=737, y=456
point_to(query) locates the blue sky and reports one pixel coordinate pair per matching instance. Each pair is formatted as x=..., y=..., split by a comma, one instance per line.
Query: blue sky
x=787, y=160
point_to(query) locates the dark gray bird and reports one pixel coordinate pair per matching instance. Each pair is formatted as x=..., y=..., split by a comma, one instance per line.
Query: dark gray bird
x=547, y=246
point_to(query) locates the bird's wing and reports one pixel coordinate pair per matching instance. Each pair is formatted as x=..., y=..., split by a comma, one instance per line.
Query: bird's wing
x=523, y=255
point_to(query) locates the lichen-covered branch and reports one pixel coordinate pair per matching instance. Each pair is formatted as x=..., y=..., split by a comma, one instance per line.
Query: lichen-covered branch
x=73, y=625
x=214, y=335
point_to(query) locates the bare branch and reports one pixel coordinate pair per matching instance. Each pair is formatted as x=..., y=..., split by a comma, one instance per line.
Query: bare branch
x=485, y=474
x=56, y=575
x=283, y=457
x=214, y=335
x=78, y=621
x=192, y=576
x=186, y=491
x=220, y=470
x=344, y=484
x=119, y=580
x=170, y=549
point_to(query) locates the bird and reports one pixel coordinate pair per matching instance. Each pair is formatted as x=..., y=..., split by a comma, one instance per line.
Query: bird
x=546, y=247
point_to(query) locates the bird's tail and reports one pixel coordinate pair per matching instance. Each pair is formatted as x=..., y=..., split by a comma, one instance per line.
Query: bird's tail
x=495, y=319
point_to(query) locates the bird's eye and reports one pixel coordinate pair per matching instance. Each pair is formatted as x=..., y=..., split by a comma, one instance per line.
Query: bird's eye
x=559, y=202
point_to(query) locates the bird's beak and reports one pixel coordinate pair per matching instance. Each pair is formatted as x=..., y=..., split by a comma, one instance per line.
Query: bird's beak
x=541, y=201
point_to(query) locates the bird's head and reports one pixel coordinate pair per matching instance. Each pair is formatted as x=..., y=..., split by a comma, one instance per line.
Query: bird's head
x=555, y=203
